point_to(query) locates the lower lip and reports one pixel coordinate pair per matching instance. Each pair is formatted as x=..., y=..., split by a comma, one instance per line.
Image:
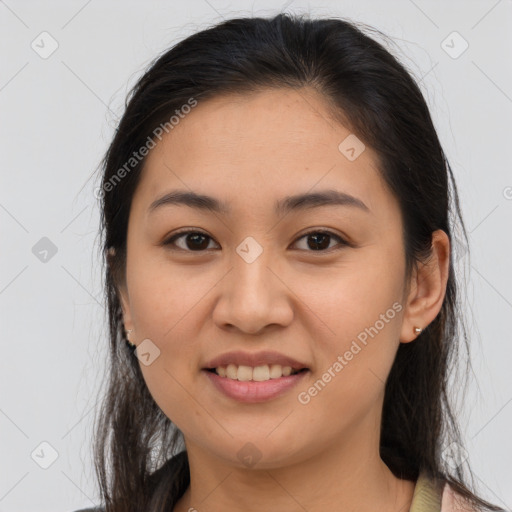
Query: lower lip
x=252, y=391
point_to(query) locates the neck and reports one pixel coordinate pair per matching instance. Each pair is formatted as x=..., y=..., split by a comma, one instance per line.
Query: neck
x=349, y=476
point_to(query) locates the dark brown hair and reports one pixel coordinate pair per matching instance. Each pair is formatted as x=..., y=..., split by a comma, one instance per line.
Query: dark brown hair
x=371, y=93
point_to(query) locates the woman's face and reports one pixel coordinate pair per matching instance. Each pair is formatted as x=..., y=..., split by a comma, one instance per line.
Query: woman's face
x=255, y=281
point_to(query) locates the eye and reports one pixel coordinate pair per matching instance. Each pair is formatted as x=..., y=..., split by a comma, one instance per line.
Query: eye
x=197, y=241
x=320, y=240
x=194, y=241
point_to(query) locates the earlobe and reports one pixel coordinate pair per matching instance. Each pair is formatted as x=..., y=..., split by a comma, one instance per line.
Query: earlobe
x=125, y=307
x=127, y=319
x=427, y=288
x=122, y=292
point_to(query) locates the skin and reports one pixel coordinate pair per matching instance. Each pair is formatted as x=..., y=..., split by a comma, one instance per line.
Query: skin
x=250, y=151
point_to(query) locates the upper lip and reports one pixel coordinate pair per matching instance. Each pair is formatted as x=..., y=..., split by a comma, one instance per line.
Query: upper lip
x=254, y=359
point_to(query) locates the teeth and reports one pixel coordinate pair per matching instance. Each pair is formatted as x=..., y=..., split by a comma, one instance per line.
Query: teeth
x=244, y=373
x=258, y=373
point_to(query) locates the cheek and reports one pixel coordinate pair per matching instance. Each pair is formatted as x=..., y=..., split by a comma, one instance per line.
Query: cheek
x=163, y=311
x=358, y=320
x=352, y=297
x=353, y=366
x=166, y=316
x=169, y=388
x=163, y=296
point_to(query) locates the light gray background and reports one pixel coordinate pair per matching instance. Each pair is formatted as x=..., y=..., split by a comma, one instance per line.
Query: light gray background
x=57, y=117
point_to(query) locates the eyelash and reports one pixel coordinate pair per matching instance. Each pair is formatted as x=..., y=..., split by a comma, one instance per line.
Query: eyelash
x=342, y=242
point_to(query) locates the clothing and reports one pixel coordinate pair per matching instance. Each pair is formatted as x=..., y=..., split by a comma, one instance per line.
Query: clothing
x=427, y=498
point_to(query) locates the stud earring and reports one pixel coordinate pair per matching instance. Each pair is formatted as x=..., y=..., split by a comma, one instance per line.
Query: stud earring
x=128, y=343
x=417, y=330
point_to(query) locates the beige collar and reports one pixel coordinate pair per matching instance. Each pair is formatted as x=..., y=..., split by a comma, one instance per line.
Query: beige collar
x=427, y=495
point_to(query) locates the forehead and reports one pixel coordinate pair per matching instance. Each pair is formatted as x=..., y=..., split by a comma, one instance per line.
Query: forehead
x=272, y=142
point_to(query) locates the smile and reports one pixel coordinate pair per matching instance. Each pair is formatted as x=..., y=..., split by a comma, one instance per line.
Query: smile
x=258, y=373
x=254, y=391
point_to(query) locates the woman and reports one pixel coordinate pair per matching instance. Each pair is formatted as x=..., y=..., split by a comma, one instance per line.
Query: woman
x=275, y=220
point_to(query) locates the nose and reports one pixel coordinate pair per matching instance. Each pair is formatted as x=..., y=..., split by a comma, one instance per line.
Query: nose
x=253, y=296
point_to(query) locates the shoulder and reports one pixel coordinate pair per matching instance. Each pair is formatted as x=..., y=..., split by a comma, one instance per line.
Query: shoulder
x=452, y=501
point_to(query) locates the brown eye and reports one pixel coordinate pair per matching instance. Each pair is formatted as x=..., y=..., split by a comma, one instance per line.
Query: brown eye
x=320, y=241
x=193, y=241
x=197, y=241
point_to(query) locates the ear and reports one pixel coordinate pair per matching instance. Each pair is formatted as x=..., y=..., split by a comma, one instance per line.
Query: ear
x=121, y=288
x=427, y=288
x=125, y=306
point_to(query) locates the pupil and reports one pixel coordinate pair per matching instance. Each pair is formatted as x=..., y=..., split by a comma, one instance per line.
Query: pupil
x=318, y=244
x=196, y=238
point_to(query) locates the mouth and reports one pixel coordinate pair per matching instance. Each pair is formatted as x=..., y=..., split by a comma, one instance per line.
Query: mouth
x=251, y=385
x=251, y=377
x=263, y=365
x=259, y=373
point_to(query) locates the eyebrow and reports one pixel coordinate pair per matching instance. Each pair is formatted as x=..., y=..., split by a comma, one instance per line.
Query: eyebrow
x=290, y=203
